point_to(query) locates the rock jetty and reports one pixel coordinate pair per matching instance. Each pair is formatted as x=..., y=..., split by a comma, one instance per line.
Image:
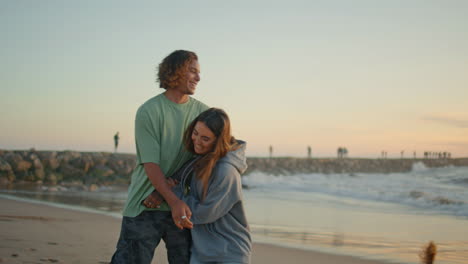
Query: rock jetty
x=52, y=167
x=103, y=168
x=285, y=166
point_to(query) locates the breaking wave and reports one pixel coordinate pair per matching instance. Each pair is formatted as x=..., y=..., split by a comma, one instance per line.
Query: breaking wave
x=440, y=190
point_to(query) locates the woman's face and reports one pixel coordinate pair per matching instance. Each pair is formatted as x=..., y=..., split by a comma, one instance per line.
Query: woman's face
x=203, y=138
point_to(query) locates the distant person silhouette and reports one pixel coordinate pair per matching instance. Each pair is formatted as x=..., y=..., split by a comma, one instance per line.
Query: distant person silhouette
x=342, y=152
x=116, y=141
x=309, y=152
x=271, y=151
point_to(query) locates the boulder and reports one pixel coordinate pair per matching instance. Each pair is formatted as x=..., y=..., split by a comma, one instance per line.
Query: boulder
x=4, y=165
x=101, y=171
x=85, y=162
x=66, y=156
x=38, y=168
x=51, y=178
x=120, y=165
x=6, y=171
x=49, y=160
x=18, y=164
x=70, y=173
x=4, y=181
x=93, y=187
x=99, y=158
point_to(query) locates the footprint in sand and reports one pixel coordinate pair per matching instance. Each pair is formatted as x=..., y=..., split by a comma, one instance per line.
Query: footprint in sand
x=50, y=260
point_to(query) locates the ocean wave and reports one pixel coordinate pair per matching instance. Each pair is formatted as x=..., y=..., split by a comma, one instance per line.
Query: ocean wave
x=463, y=181
x=419, y=166
x=430, y=189
x=439, y=200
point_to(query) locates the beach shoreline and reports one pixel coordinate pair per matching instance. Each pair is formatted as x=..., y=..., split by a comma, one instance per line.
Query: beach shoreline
x=41, y=233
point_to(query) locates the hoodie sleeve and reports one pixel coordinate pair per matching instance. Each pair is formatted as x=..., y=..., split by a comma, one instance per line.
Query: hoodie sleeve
x=224, y=191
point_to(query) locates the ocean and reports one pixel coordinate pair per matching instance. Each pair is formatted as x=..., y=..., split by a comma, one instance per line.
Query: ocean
x=378, y=216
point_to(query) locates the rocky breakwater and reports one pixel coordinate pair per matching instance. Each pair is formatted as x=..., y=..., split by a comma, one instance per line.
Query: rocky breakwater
x=52, y=167
x=287, y=166
x=102, y=168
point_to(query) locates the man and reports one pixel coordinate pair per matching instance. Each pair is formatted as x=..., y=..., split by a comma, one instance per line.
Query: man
x=159, y=127
x=116, y=141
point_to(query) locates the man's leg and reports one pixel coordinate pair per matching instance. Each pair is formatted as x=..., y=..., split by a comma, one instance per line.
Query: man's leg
x=139, y=237
x=178, y=243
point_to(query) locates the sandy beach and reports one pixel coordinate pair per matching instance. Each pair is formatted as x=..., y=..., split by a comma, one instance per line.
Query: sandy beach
x=38, y=233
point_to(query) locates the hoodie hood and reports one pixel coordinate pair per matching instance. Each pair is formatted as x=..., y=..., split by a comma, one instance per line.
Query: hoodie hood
x=237, y=157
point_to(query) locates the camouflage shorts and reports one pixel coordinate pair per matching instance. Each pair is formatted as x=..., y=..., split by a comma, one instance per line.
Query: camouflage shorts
x=140, y=236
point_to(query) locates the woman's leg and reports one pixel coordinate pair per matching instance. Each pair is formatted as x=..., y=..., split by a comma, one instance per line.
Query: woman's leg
x=196, y=261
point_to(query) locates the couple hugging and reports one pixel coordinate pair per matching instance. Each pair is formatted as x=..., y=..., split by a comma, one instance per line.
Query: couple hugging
x=198, y=211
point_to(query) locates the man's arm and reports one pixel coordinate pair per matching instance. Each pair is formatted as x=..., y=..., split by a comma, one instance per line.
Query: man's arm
x=178, y=207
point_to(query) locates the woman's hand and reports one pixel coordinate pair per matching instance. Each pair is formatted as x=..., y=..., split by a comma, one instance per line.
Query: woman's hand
x=186, y=223
x=183, y=222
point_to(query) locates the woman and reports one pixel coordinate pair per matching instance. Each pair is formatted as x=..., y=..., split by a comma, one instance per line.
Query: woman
x=211, y=186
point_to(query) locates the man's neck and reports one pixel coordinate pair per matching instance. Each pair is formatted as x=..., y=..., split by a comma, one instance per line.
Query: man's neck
x=176, y=97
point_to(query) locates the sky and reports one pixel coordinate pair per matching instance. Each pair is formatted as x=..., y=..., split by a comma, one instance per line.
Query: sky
x=366, y=75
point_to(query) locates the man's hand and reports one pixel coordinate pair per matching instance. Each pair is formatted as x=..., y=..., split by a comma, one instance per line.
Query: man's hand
x=172, y=183
x=153, y=200
x=181, y=214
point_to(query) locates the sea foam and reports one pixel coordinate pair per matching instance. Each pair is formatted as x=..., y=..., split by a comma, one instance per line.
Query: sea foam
x=432, y=190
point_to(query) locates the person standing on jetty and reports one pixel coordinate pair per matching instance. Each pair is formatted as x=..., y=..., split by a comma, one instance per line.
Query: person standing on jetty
x=116, y=141
x=159, y=127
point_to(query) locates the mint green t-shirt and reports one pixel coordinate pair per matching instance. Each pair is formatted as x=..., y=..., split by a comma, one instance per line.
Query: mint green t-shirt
x=159, y=128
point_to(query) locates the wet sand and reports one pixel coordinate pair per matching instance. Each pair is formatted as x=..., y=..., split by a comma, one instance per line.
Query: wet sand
x=37, y=233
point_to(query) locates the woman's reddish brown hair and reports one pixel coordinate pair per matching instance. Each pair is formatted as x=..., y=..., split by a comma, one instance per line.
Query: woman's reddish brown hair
x=218, y=122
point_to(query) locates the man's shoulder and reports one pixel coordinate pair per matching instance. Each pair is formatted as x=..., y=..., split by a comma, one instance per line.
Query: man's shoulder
x=158, y=99
x=157, y=104
x=199, y=104
x=151, y=103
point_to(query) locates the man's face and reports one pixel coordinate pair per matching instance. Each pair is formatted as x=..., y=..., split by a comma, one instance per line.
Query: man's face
x=188, y=83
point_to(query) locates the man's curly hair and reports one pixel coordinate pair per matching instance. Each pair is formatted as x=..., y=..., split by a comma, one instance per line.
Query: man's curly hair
x=172, y=69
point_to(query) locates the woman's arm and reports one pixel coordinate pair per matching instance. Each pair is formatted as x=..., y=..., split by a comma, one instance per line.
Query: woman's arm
x=224, y=191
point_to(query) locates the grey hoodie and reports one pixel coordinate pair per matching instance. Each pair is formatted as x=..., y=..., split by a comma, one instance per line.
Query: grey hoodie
x=221, y=231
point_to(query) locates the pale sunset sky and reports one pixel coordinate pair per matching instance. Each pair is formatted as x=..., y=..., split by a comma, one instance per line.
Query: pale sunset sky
x=369, y=75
